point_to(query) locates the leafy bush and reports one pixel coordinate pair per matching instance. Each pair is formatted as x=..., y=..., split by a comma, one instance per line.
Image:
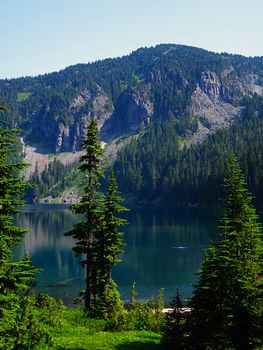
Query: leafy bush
x=111, y=308
x=27, y=331
x=50, y=310
x=144, y=316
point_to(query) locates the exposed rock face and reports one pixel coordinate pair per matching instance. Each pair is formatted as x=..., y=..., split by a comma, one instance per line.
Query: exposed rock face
x=180, y=82
x=63, y=138
x=133, y=110
x=214, y=103
x=98, y=106
x=80, y=101
x=70, y=197
x=126, y=95
x=210, y=84
x=67, y=137
x=208, y=104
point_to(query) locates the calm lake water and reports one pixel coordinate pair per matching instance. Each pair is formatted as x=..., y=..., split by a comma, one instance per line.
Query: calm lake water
x=163, y=250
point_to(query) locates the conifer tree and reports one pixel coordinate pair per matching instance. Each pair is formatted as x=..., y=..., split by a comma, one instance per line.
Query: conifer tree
x=110, y=307
x=109, y=241
x=227, y=304
x=98, y=238
x=18, y=326
x=174, y=329
x=85, y=232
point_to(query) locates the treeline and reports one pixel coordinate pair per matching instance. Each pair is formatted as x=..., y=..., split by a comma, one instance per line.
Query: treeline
x=52, y=181
x=225, y=311
x=160, y=165
x=171, y=71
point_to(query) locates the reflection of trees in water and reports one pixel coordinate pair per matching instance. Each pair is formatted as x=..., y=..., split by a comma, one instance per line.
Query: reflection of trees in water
x=185, y=227
x=46, y=228
x=149, y=257
x=152, y=257
x=45, y=242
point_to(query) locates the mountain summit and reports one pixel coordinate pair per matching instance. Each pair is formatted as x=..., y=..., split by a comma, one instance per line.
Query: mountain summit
x=202, y=90
x=198, y=93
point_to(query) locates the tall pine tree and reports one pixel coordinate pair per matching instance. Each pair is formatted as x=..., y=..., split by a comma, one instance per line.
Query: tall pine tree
x=98, y=238
x=85, y=232
x=227, y=304
x=109, y=241
x=18, y=326
x=174, y=328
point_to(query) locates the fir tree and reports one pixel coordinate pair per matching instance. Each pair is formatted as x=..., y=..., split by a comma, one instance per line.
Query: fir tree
x=109, y=240
x=18, y=326
x=90, y=207
x=110, y=307
x=174, y=330
x=227, y=303
x=97, y=236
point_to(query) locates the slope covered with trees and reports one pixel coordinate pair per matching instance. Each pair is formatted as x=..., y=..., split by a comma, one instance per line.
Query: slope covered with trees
x=173, y=111
x=160, y=165
x=227, y=304
x=125, y=92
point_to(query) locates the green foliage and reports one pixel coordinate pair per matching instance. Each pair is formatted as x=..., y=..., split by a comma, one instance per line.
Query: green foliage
x=227, y=303
x=158, y=166
x=22, y=96
x=109, y=242
x=160, y=300
x=50, y=311
x=111, y=308
x=144, y=317
x=85, y=232
x=147, y=315
x=98, y=237
x=80, y=332
x=141, y=166
x=27, y=330
x=174, y=330
x=19, y=328
x=52, y=181
x=134, y=293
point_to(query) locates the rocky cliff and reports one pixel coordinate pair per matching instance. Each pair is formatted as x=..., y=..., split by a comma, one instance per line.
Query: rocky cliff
x=202, y=90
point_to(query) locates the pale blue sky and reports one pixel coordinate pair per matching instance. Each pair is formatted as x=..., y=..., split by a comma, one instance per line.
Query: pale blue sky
x=39, y=36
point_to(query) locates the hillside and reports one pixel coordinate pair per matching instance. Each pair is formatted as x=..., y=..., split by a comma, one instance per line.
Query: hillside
x=157, y=110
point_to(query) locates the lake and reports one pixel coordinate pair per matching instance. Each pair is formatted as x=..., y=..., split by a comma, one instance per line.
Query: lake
x=163, y=250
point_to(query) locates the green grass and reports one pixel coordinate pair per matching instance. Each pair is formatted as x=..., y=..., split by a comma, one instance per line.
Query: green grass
x=78, y=332
x=138, y=80
x=183, y=141
x=22, y=96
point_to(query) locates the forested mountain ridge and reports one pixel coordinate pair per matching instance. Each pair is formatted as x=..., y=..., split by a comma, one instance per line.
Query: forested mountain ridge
x=200, y=89
x=157, y=104
x=160, y=166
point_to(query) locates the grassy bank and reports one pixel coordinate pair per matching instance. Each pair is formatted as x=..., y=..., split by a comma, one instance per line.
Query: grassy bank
x=78, y=332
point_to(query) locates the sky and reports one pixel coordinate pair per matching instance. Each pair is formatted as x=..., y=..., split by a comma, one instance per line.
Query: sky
x=41, y=36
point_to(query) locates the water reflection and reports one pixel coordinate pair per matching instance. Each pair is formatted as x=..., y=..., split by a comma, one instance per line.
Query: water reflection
x=164, y=250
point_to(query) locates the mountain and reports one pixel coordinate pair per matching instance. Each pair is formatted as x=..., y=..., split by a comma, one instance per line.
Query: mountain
x=154, y=107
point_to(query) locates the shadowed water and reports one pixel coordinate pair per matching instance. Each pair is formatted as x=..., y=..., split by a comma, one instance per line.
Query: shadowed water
x=163, y=250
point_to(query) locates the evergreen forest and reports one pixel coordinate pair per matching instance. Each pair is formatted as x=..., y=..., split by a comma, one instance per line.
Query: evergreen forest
x=162, y=126
x=160, y=166
x=225, y=311
x=151, y=108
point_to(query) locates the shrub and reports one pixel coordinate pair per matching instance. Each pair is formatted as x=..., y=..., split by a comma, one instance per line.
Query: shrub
x=111, y=308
